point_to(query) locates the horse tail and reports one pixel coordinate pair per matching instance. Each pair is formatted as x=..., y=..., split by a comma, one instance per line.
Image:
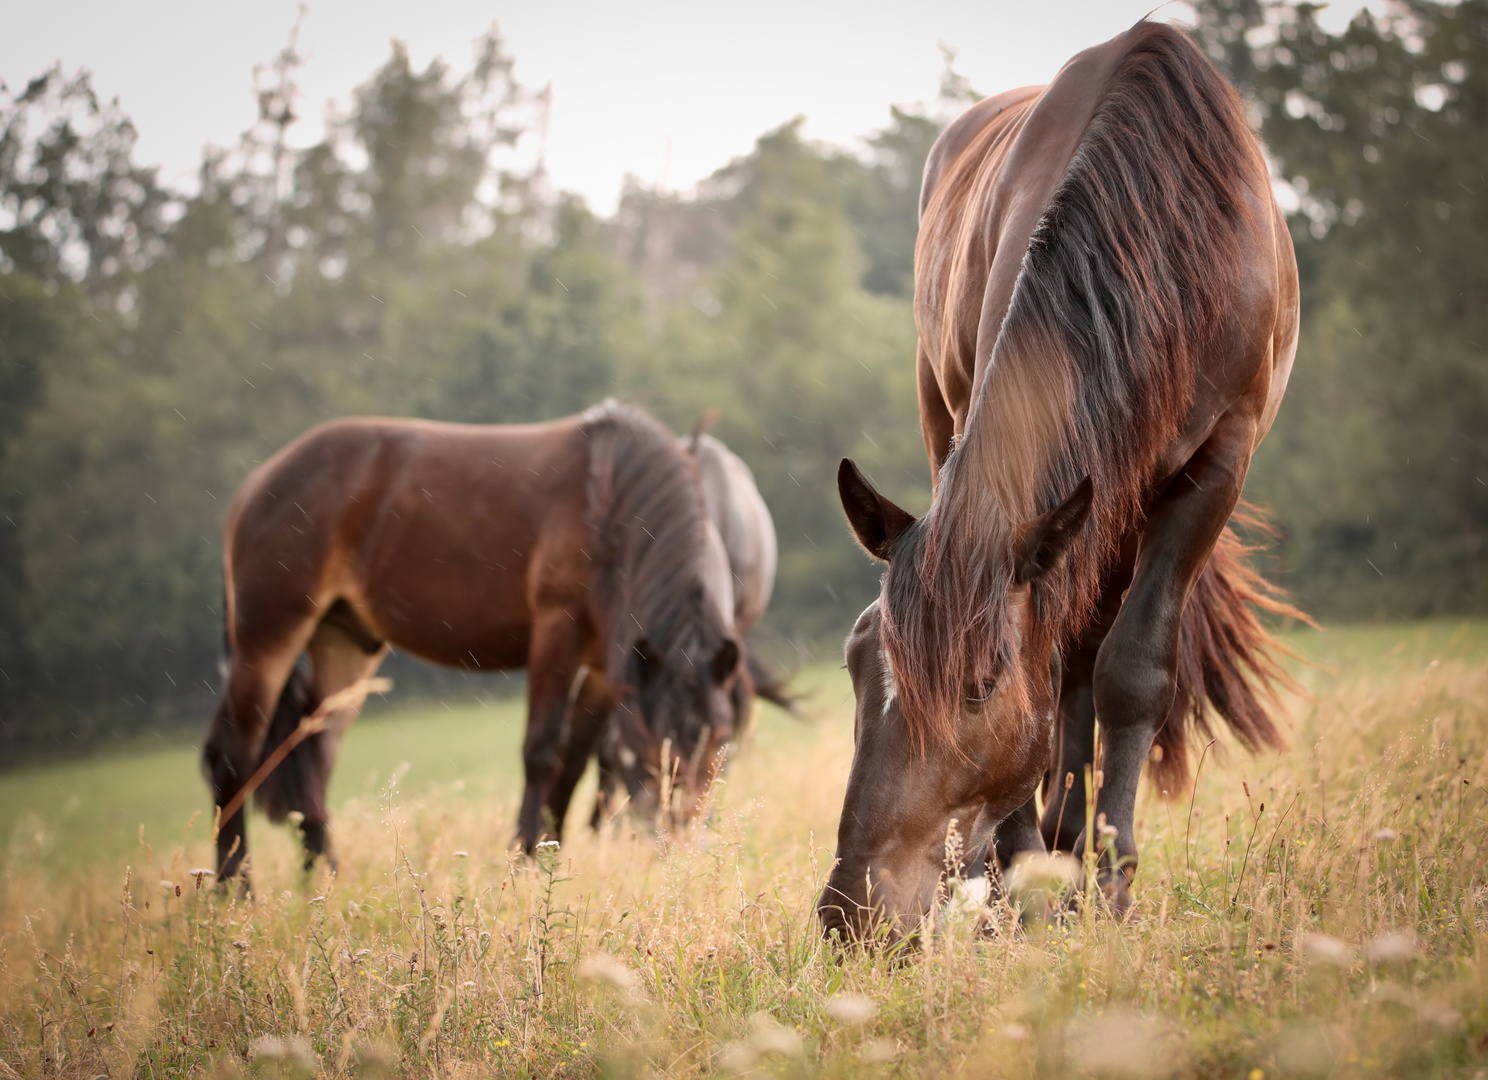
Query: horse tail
x=1226, y=659
x=299, y=780
x=767, y=684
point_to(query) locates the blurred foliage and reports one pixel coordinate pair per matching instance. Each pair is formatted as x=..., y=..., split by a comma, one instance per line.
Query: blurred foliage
x=155, y=346
x=413, y=263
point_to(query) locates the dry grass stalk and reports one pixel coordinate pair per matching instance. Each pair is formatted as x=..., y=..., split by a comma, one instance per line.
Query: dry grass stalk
x=1344, y=929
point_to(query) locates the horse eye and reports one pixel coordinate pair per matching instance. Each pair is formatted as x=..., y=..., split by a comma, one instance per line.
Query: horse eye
x=983, y=690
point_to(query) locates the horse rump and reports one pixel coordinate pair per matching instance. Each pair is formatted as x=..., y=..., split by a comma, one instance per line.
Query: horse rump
x=1227, y=659
x=299, y=781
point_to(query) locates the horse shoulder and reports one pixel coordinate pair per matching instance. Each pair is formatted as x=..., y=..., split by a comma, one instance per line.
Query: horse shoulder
x=1025, y=177
x=1287, y=321
x=958, y=134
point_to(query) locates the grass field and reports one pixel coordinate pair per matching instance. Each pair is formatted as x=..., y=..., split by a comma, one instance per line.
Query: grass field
x=1319, y=913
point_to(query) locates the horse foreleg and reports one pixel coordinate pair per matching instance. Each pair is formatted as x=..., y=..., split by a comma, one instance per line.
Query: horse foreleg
x=586, y=724
x=553, y=663
x=1074, y=737
x=1016, y=834
x=1074, y=751
x=1135, y=675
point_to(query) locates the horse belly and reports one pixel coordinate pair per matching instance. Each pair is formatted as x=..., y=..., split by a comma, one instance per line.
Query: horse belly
x=453, y=589
x=456, y=614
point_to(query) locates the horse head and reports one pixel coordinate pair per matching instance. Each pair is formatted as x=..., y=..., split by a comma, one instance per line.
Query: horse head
x=680, y=701
x=923, y=798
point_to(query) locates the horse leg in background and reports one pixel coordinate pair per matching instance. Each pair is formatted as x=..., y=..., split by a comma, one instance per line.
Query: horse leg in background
x=235, y=740
x=342, y=652
x=742, y=695
x=553, y=660
x=1074, y=752
x=1135, y=676
x=586, y=724
x=605, y=795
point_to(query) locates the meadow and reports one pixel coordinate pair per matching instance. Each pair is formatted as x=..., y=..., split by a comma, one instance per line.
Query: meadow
x=1315, y=913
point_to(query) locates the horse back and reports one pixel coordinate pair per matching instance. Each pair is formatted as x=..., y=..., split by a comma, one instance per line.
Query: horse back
x=989, y=185
x=403, y=517
x=744, y=525
x=988, y=179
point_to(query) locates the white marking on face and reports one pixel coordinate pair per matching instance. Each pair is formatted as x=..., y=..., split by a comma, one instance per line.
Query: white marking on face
x=890, y=687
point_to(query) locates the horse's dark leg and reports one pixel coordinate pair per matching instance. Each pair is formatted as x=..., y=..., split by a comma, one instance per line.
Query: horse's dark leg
x=1135, y=675
x=1074, y=750
x=741, y=696
x=553, y=662
x=1074, y=739
x=231, y=752
x=609, y=783
x=342, y=652
x=1018, y=833
x=586, y=724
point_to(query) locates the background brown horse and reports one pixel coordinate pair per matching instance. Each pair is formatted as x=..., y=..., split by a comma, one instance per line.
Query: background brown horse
x=1106, y=298
x=579, y=549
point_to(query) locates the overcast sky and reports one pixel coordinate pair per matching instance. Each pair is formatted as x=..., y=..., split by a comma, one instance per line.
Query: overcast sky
x=666, y=91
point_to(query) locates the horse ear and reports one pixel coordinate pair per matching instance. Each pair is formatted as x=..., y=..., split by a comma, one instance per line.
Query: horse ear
x=704, y=422
x=877, y=523
x=726, y=662
x=1046, y=538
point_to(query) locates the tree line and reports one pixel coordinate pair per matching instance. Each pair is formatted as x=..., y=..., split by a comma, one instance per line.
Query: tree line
x=155, y=345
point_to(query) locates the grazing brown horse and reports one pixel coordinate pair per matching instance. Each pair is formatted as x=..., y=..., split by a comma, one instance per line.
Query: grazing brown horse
x=579, y=549
x=1106, y=298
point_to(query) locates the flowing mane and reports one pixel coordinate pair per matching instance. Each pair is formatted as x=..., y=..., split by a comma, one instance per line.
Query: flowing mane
x=648, y=526
x=1123, y=285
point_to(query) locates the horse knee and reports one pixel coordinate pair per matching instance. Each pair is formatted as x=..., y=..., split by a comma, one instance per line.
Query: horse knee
x=222, y=763
x=1133, y=689
x=542, y=755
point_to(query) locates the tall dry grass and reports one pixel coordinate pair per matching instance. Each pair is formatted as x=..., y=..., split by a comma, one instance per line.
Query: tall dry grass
x=1321, y=913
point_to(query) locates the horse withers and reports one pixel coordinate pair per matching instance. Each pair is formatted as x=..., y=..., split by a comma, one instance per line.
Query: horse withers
x=1106, y=299
x=579, y=549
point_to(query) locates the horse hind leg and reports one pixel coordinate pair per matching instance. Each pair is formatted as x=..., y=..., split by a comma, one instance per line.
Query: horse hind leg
x=291, y=788
x=342, y=652
x=235, y=739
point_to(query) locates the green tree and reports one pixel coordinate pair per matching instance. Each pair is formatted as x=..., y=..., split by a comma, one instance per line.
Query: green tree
x=806, y=365
x=73, y=203
x=1378, y=463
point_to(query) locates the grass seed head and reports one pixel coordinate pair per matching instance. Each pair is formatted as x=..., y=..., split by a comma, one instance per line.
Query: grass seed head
x=852, y=1009
x=1392, y=947
x=1119, y=1043
x=1320, y=950
x=603, y=968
